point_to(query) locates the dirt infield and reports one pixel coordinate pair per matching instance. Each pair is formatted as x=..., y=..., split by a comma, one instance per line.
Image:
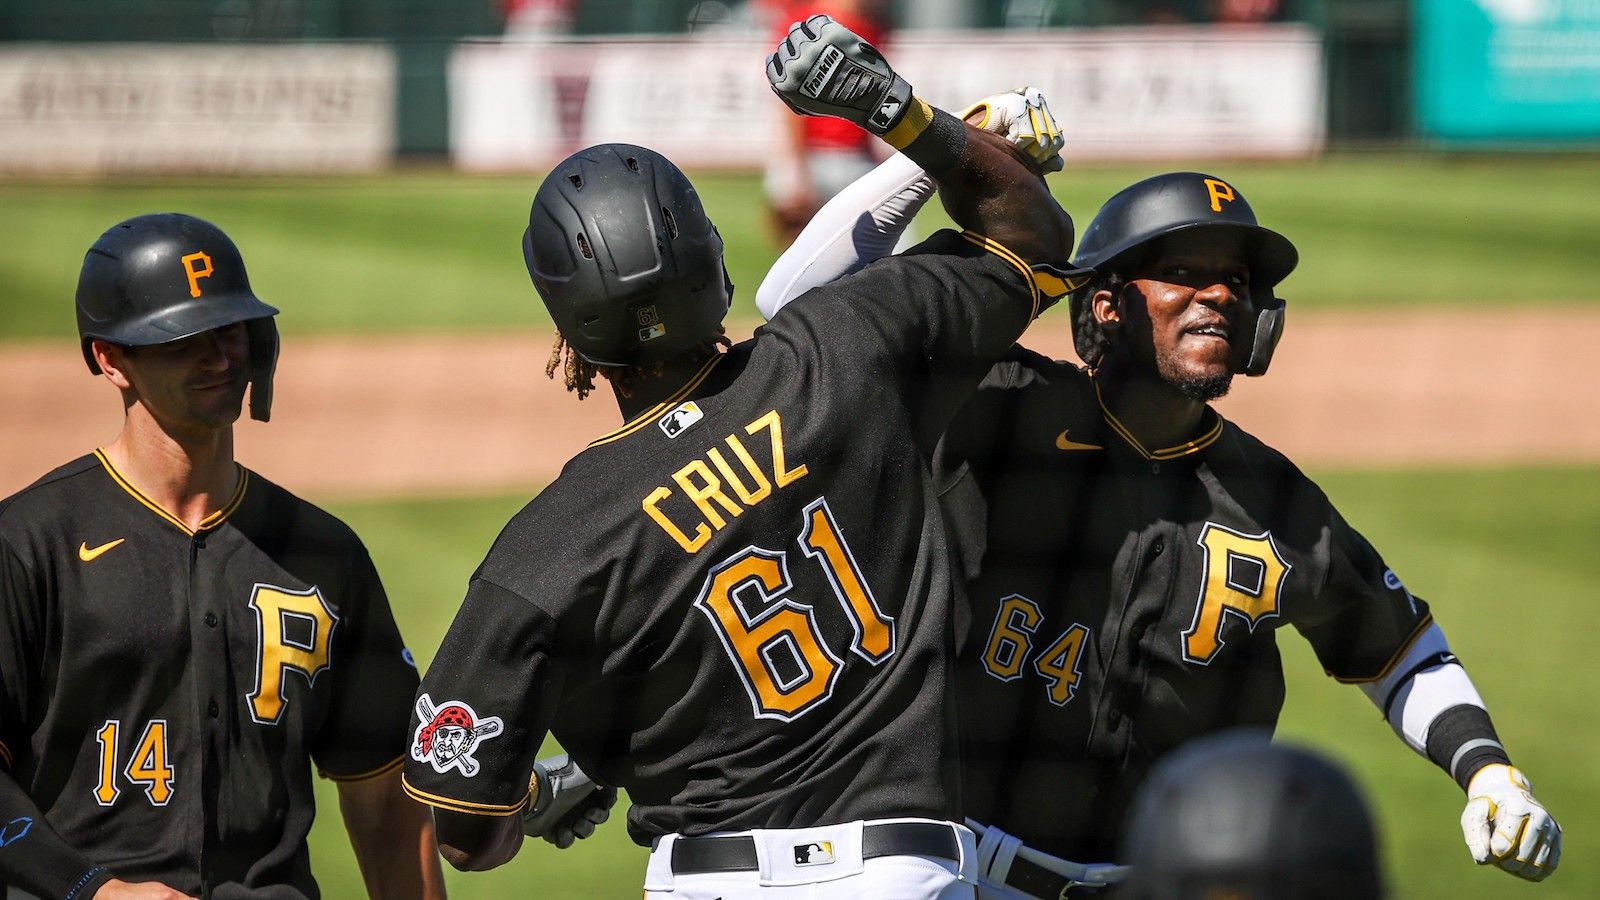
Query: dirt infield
x=390, y=416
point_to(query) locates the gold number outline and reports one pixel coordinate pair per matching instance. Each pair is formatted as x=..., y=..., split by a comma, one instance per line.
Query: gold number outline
x=157, y=778
x=1011, y=606
x=107, y=736
x=880, y=631
x=1065, y=644
x=1007, y=631
x=775, y=601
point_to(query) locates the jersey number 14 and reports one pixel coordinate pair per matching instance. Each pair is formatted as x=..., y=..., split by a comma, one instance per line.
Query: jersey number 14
x=780, y=655
x=147, y=767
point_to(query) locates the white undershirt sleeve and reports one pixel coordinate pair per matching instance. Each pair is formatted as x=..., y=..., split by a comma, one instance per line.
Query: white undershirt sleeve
x=861, y=223
x=1414, y=697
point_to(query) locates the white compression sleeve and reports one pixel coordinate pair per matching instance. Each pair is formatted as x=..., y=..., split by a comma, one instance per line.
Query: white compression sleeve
x=1415, y=693
x=861, y=223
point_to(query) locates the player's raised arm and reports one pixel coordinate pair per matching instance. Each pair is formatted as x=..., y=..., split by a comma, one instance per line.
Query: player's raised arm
x=867, y=218
x=986, y=184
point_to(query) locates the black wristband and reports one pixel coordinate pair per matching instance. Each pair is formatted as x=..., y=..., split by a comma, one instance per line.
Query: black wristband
x=939, y=146
x=1462, y=740
x=42, y=864
x=88, y=884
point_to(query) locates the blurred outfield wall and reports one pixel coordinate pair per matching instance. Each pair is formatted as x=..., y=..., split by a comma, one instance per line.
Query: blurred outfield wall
x=1151, y=93
x=1122, y=94
x=1461, y=73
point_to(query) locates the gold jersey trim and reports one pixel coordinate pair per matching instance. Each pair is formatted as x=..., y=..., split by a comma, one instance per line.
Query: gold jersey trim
x=462, y=806
x=392, y=765
x=660, y=409
x=1002, y=251
x=5, y=754
x=1166, y=453
x=206, y=524
x=1394, y=660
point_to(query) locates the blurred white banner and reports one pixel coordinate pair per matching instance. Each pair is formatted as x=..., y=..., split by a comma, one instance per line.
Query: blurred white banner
x=196, y=108
x=1120, y=94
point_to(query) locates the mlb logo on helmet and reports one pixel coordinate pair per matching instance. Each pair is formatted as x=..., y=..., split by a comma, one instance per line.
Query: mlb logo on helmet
x=817, y=853
x=650, y=322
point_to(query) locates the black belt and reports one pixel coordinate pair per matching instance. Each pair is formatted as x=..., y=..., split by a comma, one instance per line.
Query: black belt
x=700, y=855
x=1037, y=881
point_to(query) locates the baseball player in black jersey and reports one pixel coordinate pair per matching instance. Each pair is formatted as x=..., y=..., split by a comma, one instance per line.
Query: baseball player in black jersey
x=737, y=605
x=182, y=640
x=1131, y=554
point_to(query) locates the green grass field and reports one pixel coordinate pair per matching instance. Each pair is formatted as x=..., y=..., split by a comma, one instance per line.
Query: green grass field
x=1505, y=557
x=429, y=249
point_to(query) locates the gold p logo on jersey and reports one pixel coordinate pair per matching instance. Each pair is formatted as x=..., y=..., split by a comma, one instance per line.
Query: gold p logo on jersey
x=1219, y=191
x=1243, y=577
x=196, y=272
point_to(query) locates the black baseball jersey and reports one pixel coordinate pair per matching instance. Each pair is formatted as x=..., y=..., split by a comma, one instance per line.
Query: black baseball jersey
x=737, y=605
x=1127, y=599
x=161, y=689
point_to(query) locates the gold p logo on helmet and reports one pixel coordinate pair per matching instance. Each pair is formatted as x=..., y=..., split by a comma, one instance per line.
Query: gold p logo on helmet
x=196, y=272
x=1219, y=191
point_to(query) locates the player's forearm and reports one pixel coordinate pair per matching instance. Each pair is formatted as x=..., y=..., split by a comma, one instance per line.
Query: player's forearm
x=475, y=843
x=1432, y=705
x=985, y=184
x=34, y=857
x=823, y=68
x=393, y=840
x=861, y=223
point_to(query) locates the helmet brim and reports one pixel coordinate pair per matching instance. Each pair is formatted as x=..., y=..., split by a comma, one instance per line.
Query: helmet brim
x=169, y=325
x=1271, y=255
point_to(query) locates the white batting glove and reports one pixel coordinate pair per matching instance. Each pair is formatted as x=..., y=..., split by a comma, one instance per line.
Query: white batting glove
x=1505, y=826
x=1023, y=118
x=567, y=804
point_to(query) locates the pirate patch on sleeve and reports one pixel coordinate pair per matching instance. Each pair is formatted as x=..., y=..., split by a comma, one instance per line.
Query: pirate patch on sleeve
x=449, y=735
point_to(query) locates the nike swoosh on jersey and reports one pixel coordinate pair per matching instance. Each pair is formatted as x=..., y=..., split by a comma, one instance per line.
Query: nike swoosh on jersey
x=88, y=555
x=1064, y=443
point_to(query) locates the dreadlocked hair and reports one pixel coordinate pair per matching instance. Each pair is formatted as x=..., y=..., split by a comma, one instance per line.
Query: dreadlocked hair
x=1088, y=338
x=578, y=373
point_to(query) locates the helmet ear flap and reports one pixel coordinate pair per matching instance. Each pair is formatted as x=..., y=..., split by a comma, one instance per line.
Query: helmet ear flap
x=1268, y=331
x=263, y=337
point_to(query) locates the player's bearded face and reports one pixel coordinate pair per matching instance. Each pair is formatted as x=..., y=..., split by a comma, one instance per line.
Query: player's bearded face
x=195, y=384
x=1187, y=312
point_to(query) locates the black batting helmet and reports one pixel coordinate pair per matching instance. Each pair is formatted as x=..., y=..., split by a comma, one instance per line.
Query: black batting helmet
x=1180, y=201
x=1232, y=815
x=624, y=257
x=162, y=277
